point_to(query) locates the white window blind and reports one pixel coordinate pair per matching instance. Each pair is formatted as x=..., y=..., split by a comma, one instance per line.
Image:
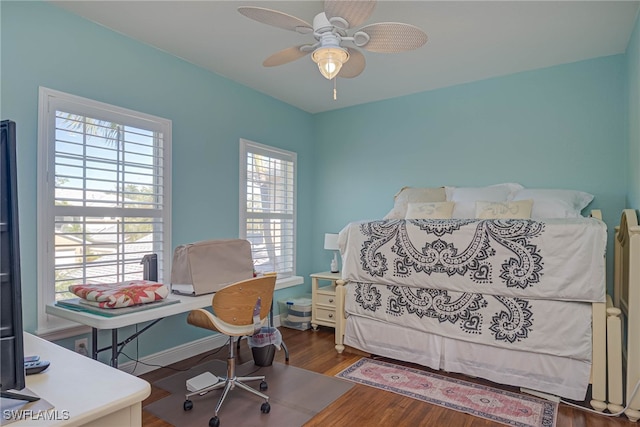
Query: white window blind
x=268, y=206
x=104, y=200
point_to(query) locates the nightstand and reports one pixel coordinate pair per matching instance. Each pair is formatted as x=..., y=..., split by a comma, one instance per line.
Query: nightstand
x=323, y=297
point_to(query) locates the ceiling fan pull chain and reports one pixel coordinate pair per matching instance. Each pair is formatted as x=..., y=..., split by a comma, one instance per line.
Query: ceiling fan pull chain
x=335, y=92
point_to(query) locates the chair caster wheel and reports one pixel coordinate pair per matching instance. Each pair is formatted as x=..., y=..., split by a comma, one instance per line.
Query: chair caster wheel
x=263, y=386
x=214, y=422
x=187, y=405
x=265, y=408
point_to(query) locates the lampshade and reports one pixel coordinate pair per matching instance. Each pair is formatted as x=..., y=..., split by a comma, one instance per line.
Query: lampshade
x=330, y=60
x=331, y=242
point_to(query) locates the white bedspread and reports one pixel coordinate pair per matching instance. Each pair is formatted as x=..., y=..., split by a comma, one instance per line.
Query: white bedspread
x=556, y=259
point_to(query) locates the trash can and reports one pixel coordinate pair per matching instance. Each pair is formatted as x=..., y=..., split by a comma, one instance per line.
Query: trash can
x=263, y=356
x=263, y=345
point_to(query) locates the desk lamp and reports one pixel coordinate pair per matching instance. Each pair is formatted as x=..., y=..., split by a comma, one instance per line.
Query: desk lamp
x=331, y=244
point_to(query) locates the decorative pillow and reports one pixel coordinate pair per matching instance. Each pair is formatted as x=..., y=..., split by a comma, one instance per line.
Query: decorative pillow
x=504, y=210
x=408, y=195
x=430, y=210
x=126, y=294
x=552, y=203
x=466, y=197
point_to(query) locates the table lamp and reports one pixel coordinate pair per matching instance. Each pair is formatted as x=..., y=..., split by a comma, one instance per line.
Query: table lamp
x=331, y=244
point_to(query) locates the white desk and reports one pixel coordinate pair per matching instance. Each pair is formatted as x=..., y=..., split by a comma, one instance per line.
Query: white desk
x=83, y=392
x=97, y=322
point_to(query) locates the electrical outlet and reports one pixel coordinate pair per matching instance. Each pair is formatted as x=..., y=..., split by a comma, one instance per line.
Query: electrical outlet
x=82, y=346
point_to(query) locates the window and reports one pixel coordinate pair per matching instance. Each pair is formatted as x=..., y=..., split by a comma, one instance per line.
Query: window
x=104, y=197
x=268, y=206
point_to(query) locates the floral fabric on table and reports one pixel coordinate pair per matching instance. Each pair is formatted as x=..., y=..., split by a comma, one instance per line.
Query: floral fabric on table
x=134, y=292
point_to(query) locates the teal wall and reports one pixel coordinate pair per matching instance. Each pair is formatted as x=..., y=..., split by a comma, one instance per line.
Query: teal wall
x=568, y=126
x=633, y=93
x=559, y=127
x=43, y=45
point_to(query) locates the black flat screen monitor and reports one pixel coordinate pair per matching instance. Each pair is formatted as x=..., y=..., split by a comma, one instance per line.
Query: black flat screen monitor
x=11, y=345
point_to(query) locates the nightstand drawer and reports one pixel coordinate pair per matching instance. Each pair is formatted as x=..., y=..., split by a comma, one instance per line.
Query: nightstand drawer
x=325, y=314
x=326, y=299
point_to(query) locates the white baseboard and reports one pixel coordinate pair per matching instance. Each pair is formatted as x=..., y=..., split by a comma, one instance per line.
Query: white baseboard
x=178, y=353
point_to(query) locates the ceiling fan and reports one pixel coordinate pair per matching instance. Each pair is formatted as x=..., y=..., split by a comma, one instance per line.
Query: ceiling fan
x=336, y=49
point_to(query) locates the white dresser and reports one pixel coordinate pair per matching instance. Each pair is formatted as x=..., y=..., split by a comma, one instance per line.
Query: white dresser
x=82, y=391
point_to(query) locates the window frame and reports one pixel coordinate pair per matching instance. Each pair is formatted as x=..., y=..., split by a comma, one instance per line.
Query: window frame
x=49, y=101
x=247, y=146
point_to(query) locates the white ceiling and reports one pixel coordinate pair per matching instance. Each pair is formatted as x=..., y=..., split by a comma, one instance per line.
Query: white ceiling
x=468, y=41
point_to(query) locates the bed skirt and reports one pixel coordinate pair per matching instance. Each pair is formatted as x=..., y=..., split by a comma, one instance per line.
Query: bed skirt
x=562, y=376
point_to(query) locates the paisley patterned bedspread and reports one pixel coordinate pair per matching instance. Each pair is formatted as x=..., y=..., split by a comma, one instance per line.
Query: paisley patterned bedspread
x=559, y=259
x=558, y=328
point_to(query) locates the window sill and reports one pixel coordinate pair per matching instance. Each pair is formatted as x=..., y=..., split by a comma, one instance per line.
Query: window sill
x=288, y=282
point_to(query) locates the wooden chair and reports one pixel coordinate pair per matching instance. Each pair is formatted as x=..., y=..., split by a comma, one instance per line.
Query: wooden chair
x=239, y=309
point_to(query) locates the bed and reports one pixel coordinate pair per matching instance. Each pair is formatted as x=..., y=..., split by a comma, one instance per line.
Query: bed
x=520, y=302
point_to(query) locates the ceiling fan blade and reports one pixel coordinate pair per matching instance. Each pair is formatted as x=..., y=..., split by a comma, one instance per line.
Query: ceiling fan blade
x=277, y=19
x=286, y=55
x=391, y=37
x=355, y=12
x=354, y=66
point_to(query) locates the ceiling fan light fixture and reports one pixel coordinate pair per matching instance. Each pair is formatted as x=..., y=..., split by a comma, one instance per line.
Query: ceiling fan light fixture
x=330, y=60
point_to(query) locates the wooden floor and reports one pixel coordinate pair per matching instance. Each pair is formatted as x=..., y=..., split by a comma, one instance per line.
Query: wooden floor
x=362, y=405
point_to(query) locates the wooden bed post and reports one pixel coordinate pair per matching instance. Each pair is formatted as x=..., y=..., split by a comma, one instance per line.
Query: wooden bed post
x=614, y=357
x=614, y=323
x=599, y=348
x=340, y=315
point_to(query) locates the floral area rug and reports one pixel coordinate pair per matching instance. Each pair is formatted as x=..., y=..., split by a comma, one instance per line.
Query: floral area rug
x=497, y=405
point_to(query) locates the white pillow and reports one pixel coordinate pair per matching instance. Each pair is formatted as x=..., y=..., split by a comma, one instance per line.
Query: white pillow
x=504, y=210
x=408, y=195
x=552, y=203
x=466, y=197
x=430, y=210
